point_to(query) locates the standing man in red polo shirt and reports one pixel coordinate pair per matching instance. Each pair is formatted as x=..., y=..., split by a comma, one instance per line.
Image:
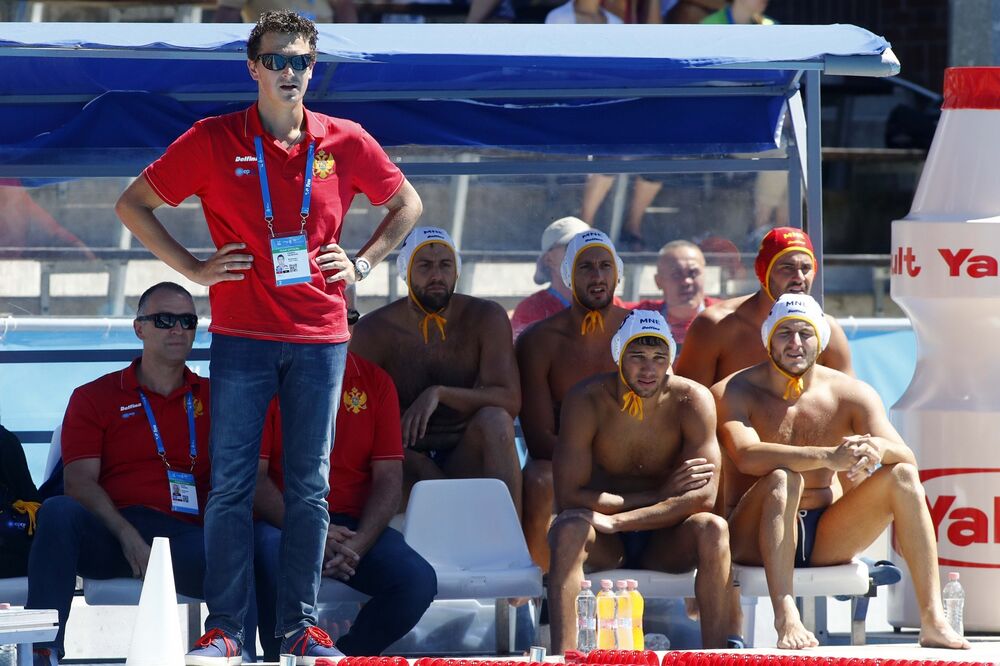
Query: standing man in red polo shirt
x=273, y=179
x=366, y=481
x=135, y=449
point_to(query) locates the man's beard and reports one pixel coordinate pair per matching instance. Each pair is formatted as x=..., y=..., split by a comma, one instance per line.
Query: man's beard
x=587, y=301
x=433, y=302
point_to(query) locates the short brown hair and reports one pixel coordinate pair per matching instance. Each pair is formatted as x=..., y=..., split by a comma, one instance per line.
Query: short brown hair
x=281, y=21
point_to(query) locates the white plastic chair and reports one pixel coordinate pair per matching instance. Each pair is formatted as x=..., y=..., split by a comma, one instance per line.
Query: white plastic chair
x=811, y=583
x=652, y=584
x=468, y=530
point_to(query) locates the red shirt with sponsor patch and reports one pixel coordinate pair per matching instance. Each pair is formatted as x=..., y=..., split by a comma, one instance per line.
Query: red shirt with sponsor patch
x=367, y=430
x=105, y=420
x=216, y=161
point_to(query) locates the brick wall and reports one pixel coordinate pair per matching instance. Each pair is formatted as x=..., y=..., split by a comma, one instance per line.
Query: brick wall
x=917, y=29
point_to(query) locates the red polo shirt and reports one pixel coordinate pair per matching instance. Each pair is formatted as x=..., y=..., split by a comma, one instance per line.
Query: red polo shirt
x=367, y=430
x=105, y=419
x=216, y=160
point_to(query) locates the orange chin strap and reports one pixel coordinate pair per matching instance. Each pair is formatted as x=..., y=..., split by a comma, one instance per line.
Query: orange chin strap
x=631, y=403
x=592, y=320
x=428, y=318
x=795, y=385
x=30, y=508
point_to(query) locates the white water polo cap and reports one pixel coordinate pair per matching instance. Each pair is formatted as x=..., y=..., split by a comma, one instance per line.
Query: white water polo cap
x=796, y=306
x=419, y=237
x=579, y=243
x=639, y=324
x=790, y=307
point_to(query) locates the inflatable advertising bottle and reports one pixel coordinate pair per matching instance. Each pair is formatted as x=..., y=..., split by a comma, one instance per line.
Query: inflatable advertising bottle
x=946, y=277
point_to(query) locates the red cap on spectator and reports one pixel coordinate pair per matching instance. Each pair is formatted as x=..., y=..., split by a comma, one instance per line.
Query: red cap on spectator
x=778, y=242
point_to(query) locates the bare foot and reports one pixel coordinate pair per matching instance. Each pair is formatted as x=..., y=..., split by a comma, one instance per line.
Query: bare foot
x=939, y=634
x=792, y=635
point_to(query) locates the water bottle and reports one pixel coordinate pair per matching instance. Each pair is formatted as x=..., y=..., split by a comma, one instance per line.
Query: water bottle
x=638, y=604
x=586, y=619
x=953, y=597
x=623, y=616
x=606, y=605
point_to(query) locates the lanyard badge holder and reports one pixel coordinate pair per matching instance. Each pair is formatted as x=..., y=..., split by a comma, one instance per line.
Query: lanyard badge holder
x=183, y=492
x=289, y=252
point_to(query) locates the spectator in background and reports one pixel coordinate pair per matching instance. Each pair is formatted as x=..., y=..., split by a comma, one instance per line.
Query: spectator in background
x=452, y=360
x=317, y=11
x=644, y=190
x=581, y=11
x=127, y=438
x=741, y=12
x=24, y=224
x=366, y=485
x=692, y=11
x=547, y=302
x=19, y=502
x=680, y=275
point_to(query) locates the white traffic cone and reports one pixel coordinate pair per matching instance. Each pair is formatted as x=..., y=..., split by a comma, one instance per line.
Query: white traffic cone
x=156, y=638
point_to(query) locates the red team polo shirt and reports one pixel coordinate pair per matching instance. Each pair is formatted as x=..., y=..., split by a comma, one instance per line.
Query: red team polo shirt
x=216, y=160
x=367, y=430
x=106, y=420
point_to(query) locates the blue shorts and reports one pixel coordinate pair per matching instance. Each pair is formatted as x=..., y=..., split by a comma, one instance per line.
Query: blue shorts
x=808, y=521
x=634, y=544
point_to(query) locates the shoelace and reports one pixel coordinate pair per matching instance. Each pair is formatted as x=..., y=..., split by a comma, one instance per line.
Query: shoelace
x=210, y=636
x=318, y=636
x=30, y=508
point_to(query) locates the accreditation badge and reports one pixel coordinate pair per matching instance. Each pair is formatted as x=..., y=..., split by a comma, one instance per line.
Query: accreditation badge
x=290, y=255
x=183, y=494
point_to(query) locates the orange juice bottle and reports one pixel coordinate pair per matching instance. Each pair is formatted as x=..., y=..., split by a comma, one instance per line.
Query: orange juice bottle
x=606, y=605
x=638, y=638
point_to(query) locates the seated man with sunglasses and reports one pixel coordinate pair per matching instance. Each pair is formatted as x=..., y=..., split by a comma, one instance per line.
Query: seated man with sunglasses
x=274, y=179
x=135, y=449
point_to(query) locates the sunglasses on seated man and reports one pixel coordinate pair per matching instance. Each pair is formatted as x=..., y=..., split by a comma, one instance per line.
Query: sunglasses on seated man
x=168, y=319
x=277, y=62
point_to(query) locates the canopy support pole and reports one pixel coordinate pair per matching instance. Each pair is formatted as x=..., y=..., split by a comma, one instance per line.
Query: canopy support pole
x=814, y=178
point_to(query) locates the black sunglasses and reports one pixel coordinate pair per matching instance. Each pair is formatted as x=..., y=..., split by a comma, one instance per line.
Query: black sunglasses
x=352, y=316
x=168, y=320
x=277, y=62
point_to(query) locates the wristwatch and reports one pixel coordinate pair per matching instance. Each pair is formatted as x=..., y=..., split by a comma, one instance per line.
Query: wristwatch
x=361, y=268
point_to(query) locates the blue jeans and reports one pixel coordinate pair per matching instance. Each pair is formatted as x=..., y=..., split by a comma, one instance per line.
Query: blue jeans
x=246, y=374
x=401, y=583
x=71, y=541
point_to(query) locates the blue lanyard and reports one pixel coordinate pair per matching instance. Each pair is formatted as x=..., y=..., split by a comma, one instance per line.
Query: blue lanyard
x=562, y=299
x=265, y=191
x=189, y=408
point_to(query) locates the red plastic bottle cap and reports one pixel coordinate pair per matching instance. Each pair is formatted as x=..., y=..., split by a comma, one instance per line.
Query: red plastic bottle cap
x=971, y=88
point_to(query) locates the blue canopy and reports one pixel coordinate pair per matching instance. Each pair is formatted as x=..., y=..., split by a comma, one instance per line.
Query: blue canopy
x=110, y=97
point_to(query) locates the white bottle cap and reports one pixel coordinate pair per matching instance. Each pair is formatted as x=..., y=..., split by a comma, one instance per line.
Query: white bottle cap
x=620, y=584
x=606, y=584
x=584, y=584
x=953, y=575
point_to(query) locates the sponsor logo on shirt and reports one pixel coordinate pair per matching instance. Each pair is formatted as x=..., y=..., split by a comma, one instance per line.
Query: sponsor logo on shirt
x=127, y=408
x=355, y=400
x=246, y=158
x=240, y=171
x=199, y=408
x=323, y=164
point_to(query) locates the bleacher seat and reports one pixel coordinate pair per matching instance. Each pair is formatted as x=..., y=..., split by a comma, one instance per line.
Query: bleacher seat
x=468, y=530
x=810, y=584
